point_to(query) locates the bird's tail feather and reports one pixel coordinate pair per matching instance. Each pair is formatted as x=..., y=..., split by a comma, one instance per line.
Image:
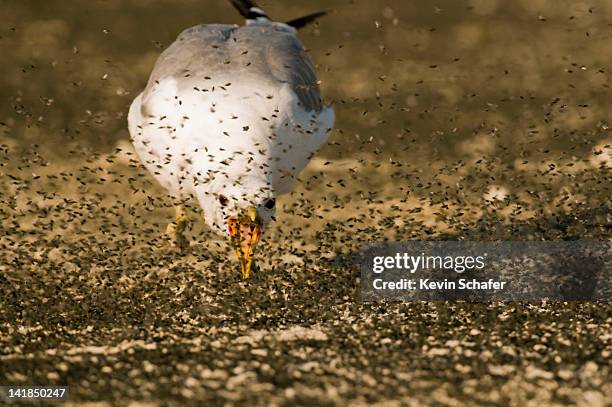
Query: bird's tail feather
x=251, y=11
x=302, y=21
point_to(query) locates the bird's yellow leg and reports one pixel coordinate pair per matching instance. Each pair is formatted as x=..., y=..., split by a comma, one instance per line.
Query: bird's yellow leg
x=245, y=274
x=238, y=249
x=248, y=262
x=176, y=229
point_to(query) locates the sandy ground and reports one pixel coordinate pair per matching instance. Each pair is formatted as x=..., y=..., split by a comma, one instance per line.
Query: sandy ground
x=93, y=297
x=482, y=121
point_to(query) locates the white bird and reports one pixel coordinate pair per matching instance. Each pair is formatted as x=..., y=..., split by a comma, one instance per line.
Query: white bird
x=231, y=115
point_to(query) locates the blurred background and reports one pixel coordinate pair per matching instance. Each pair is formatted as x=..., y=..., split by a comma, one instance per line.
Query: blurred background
x=471, y=119
x=448, y=73
x=492, y=93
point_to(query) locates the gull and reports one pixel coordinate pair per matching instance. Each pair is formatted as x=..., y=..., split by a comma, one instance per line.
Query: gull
x=230, y=116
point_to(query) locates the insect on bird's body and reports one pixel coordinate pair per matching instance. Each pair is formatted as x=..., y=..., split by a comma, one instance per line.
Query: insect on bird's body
x=231, y=115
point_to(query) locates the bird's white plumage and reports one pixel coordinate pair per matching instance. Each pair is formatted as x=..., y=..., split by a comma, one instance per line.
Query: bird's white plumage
x=233, y=111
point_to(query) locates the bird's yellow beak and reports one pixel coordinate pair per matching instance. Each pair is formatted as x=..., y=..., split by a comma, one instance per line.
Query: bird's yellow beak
x=245, y=232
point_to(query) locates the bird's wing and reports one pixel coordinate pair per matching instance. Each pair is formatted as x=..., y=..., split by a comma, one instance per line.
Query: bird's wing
x=266, y=53
x=289, y=63
x=254, y=72
x=197, y=55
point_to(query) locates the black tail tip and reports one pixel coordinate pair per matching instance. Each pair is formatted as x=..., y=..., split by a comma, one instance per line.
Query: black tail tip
x=251, y=11
x=303, y=21
x=248, y=9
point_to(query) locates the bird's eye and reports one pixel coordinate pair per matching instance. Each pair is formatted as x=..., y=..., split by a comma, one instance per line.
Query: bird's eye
x=270, y=203
x=223, y=200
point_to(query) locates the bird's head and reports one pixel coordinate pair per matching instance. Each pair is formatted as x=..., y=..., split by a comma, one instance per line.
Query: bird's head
x=241, y=215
